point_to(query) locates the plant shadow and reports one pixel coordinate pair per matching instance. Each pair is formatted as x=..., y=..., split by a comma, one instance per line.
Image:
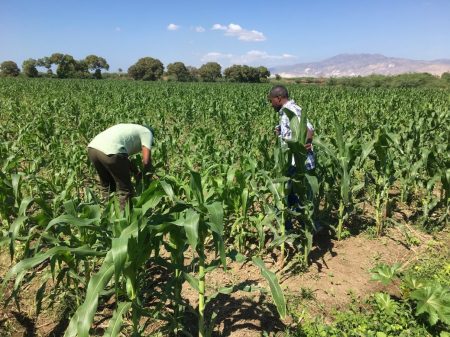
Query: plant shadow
x=243, y=312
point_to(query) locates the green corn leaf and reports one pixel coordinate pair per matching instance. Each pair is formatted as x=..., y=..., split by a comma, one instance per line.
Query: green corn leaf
x=196, y=187
x=115, y=324
x=15, y=180
x=24, y=204
x=96, y=285
x=313, y=183
x=277, y=293
x=215, y=213
x=14, y=232
x=31, y=262
x=244, y=201
x=72, y=220
x=193, y=281
x=189, y=221
x=119, y=252
x=168, y=189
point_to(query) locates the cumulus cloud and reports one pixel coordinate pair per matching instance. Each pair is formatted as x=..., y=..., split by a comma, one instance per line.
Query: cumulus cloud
x=218, y=27
x=253, y=57
x=199, y=29
x=242, y=34
x=173, y=27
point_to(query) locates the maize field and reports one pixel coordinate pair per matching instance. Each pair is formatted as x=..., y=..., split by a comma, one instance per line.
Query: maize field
x=217, y=194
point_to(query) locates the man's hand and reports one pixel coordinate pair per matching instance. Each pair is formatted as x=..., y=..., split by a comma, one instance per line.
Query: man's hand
x=308, y=145
x=277, y=130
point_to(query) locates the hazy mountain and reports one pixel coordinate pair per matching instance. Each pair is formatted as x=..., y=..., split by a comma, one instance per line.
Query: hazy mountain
x=362, y=65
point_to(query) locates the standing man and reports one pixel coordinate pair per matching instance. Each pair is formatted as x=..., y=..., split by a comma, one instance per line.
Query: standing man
x=109, y=152
x=279, y=99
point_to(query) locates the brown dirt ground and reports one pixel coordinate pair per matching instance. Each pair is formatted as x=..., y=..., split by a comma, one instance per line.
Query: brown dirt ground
x=339, y=272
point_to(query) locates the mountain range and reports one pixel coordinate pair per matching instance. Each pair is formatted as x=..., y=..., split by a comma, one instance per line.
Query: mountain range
x=361, y=65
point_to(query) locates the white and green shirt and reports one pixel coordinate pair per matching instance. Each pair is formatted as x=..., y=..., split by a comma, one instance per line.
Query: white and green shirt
x=123, y=138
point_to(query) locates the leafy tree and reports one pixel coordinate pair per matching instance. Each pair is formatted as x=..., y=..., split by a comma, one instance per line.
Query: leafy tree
x=147, y=69
x=445, y=77
x=178, y=71
x=193, y=73
x=239, y=73
x=29, y=68
x=56, y=58
x=9, y=68
x=264, y=73
x=277, y=77
x=45, y=62
x=66, y=65
x=233, y=73
x=96, y=63
x=210, y=72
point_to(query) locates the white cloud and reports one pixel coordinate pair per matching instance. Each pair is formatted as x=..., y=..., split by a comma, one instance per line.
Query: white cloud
x=253, y=57
x=173, y=27
x=242, y=34
x=218, y=26
x=199, y=29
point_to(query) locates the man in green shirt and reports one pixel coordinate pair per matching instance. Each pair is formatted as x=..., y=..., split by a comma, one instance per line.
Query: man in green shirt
x=109, y=152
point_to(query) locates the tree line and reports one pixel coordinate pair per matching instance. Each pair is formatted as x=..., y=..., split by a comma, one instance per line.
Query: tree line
x=146, y=69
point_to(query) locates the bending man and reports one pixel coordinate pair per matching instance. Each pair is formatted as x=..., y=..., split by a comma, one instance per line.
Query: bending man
x=109, y=152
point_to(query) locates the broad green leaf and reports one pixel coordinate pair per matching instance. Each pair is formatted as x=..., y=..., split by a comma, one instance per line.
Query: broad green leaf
x=384, y=273
x=385, y=303
x=277, y=293
x=190, y=221
x=434, y=301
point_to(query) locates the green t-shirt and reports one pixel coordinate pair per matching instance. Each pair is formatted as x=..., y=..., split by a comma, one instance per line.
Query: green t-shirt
x=123, y=138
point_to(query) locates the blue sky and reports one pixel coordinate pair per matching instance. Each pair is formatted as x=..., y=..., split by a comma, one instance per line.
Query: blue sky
x=230, y=32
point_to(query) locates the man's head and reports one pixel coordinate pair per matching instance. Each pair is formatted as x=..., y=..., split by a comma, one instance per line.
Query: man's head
x=278, y=96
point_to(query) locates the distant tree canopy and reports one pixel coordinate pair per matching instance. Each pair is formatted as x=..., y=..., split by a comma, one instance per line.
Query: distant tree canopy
x=177, y=71
x=45, y=62
x=68, y=67
x=96, y=64
x=193, y=73
x=147, y=69
x=29, y=68
x=9, y=69
x=151, y=69
x=210, y=72
x=239, y=73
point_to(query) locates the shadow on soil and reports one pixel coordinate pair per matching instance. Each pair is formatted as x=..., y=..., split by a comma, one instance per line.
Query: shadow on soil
x=252, y=312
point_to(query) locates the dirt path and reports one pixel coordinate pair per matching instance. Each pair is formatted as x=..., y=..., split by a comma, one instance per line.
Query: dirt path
x=338, y=273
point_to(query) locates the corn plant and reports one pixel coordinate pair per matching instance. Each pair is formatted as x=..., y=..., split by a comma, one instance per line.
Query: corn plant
x=347, y=155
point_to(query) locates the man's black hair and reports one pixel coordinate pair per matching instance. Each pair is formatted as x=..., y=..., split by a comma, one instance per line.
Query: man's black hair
x=280, y=91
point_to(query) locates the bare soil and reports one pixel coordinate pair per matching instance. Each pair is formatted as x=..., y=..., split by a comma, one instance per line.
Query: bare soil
x=338, y=273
